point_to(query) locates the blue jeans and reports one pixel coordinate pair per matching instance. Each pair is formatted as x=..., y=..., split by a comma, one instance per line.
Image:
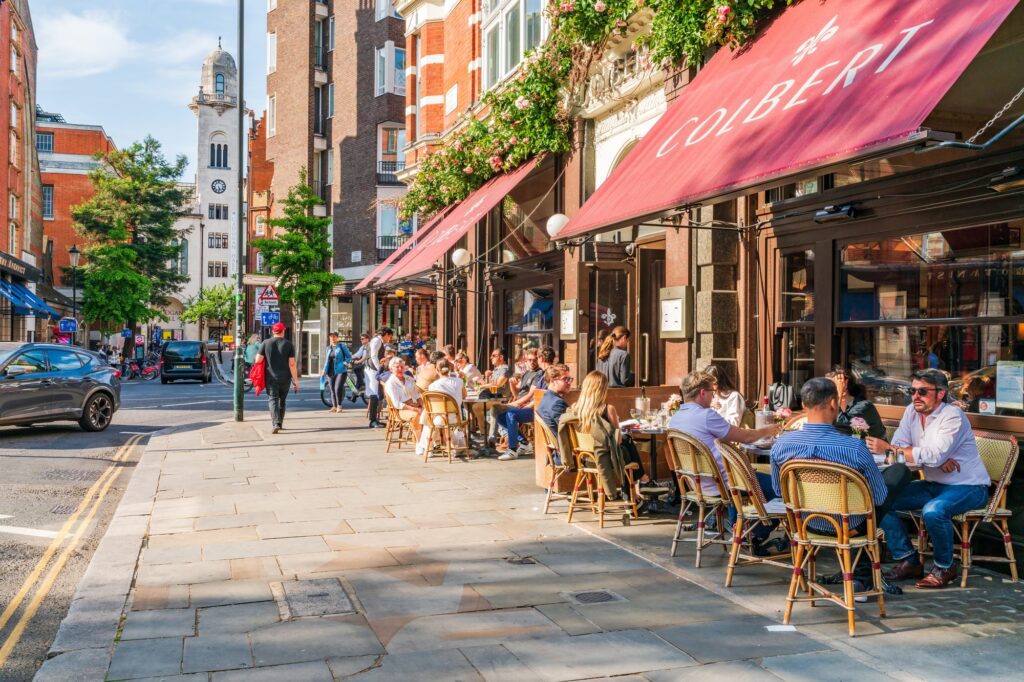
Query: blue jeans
x=938, y=503
x=511, y=419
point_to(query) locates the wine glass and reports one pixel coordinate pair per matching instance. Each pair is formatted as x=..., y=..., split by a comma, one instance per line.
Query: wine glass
x=635, y=414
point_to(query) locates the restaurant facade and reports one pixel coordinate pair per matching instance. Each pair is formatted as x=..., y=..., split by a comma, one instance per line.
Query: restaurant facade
x=847, y=190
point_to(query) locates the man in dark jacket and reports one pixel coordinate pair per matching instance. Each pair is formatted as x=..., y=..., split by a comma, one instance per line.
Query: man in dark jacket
x=279, y=355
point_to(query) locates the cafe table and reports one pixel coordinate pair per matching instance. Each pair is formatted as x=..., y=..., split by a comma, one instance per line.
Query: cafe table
x=652, y=435
x=472, y=400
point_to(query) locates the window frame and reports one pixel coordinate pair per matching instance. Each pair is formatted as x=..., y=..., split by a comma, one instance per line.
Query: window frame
x=494, y=32
x=330, y=100
x=330, y=33
x=271, y=115
x=271, y=52
x=44, y=199
x=40, y=134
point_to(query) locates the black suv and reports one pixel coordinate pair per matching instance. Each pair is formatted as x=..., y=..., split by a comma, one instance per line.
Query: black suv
x=45, y=382
x=185, y=360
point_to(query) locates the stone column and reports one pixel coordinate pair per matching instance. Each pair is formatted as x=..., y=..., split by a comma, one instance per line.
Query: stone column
x=717, y=256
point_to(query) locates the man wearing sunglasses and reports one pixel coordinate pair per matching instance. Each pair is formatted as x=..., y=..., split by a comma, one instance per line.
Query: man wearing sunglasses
x=935, y=437
x=553, y=404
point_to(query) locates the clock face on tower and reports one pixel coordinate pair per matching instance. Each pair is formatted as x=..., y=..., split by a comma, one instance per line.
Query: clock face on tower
x=218, y=186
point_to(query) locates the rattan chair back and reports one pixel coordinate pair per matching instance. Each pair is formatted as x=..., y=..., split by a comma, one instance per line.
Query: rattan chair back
x=999, y=455
x=742, y=478
x=796, y=422
x=442, y=409
x=548, y=439
x=815, y=488
x=693, y=460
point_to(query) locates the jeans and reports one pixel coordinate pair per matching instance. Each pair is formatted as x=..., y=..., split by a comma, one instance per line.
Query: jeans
x=497, y=418
x=938, y=503
x=511, y=419
x=277, y=394
x=337, y=386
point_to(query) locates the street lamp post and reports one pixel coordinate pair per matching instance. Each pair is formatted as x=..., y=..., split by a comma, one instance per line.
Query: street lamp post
x=243, y=221
x=74, y=253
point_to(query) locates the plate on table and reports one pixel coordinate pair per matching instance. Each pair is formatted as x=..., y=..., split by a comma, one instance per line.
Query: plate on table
x=764, y=443
x=879, y=459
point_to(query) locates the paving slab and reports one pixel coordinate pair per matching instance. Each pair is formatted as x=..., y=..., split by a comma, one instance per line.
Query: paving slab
x=146, y=658
x=495, y=663
x=737, y=638
x=729, y=671
x=470, y=629
x=220, y=651
x=825, y=666
x=159, y=623
x=229, y=592
x=313, y=671
x=449, y=665
x=313, y=640
x=240, y=618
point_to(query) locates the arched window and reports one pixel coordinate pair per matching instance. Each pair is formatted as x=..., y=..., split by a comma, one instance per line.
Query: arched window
x=223, y=156
x=213, y=155
x=219, y=84
x=219, y=160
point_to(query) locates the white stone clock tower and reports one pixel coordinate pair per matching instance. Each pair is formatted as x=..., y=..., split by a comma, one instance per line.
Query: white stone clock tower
x=217, y=171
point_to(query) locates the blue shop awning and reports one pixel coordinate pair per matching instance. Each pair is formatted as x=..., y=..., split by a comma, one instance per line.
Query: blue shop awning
x=25, y=302
x=21, y=307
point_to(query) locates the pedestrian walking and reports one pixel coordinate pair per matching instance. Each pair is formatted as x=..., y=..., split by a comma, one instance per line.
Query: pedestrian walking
x=336, y=357
x=372, y=366
x=279, y=355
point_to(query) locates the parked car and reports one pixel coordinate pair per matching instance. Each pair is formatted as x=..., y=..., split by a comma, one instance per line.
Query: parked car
x=45, y=382
x=185, y=360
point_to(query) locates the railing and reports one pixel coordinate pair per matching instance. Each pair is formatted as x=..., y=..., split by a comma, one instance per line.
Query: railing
x=204, y=97
x=387, y=172
x=319, y=57
x=321, y=189
x=388, y=243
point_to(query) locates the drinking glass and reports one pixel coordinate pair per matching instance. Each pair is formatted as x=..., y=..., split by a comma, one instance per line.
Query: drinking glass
x=635, y=414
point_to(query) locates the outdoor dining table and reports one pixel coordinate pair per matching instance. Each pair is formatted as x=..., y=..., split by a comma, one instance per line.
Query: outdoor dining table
x=472, y=399
x=653, y=434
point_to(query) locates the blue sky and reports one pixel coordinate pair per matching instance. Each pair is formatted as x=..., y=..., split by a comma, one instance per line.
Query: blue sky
x=133, y=65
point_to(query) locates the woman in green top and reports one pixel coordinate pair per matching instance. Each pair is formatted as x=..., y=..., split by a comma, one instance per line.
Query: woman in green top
x=251, y=349
x=853, y=403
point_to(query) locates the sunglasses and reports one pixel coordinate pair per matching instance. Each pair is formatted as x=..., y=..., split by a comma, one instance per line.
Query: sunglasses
x=922, y=391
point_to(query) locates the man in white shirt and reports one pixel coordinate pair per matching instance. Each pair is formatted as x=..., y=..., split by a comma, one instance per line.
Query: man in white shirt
x=371, y=366
x=401, y=390
x=936, y=438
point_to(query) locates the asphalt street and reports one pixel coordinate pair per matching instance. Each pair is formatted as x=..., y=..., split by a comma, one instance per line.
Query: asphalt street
x=47, y=471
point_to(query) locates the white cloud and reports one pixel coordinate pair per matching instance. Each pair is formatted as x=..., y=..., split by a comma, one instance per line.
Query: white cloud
x=185, y=47
x=74, y=45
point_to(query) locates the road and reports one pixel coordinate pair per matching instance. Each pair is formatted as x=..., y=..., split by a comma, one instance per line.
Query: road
x=45, y=473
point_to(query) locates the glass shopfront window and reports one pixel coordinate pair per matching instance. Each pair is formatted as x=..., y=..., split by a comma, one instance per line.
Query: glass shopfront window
x=950, y=300
x=529, y=318
x=796, y=313
x=798, y=287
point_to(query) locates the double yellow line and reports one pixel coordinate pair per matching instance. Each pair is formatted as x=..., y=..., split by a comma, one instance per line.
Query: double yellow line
x=88, y=507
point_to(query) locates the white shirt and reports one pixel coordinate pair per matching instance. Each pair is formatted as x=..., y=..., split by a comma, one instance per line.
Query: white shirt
x=946, y=434
x=452, y=385
x=731, y=407
x=471, y=372
x=401, y=390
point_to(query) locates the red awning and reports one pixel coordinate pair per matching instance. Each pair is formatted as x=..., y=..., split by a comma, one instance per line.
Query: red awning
x=826, y=81
x=458, y=223
x=402, y=250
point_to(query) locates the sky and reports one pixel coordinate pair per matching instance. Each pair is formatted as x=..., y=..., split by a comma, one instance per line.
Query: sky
x=132, y=66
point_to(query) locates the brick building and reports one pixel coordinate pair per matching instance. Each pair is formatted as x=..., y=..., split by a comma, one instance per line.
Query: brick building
x=22, y=313
x=260, y=201
x=335, y=107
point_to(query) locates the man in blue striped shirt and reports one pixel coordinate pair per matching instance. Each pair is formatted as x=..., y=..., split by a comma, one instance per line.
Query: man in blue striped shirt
x=818, y=439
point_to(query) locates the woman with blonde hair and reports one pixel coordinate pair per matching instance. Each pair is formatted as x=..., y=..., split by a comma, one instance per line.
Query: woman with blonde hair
x=593, y=415
x=614, y=360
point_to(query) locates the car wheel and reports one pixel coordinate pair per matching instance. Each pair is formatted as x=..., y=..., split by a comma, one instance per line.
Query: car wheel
x=164, y=380
x=98, y=413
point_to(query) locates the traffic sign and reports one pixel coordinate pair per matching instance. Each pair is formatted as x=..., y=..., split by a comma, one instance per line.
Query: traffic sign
x=140, y=340
x=227, y=338
x=68, y=325
x=270, y=319
x=126, y=333
x=268, y=295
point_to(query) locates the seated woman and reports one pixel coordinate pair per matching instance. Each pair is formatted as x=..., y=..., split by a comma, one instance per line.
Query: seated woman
x=727, y=401
x=466, y=369
x=853, y=403
x=448, y=382
x=593, y=415
x=401, y=389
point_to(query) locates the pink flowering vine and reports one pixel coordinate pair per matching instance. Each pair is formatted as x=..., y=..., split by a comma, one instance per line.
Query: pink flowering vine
x=522, y=104
x=600, y=6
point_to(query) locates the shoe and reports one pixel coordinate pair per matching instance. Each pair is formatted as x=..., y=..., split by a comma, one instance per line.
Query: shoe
x=904, y=570
x=275, y=429
x=938, y=578
x=376, y=425
x=508, y=454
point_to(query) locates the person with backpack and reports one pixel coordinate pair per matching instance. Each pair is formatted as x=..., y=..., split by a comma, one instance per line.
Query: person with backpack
x=371, y=367
x=336, y=357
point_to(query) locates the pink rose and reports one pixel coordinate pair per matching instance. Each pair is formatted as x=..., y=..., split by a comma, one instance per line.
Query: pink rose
x=620, y=23
x=522, y=103
x=600, y=6
x=468, y=170
x=495, y=162
x=616, y=32
x=859, y=426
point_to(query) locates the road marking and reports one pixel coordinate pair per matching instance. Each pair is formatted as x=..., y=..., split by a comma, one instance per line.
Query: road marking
x=6, y=516
x=98, y=489
x=31, y=532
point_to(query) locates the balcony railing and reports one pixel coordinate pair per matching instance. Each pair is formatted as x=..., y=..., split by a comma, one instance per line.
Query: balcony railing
x=388, y=243
x=319, y=57
x=206, y=97
x=387, y=172
x=321, y=189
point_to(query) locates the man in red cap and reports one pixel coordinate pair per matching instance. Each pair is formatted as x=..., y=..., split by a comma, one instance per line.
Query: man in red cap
x=279, y=355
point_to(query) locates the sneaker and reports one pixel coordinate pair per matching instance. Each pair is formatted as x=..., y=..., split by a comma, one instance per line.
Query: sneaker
x=508, y=454
x=275, y=429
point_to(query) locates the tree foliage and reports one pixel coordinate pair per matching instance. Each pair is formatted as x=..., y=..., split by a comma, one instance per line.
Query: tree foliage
x=137, y=195
x=115, y=292
x=299, y=253
x=211, y=304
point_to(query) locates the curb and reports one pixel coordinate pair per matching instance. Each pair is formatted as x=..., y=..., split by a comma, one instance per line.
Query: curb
x=84, y=643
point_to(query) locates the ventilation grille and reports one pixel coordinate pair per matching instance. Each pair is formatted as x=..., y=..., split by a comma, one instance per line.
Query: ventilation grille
x=590, y=597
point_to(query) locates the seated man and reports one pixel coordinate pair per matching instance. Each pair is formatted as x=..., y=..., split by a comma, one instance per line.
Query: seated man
x=496, y=386
x=818, y=439
x=520, y=409
x=552, y=404
x=401, y=390
x=936, y=438
x=696, y=418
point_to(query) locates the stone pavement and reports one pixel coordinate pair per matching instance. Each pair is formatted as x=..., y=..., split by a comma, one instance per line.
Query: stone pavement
x=313, y=555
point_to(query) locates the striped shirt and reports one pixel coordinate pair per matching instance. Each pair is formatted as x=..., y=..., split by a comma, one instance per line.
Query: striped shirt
x=822, y=441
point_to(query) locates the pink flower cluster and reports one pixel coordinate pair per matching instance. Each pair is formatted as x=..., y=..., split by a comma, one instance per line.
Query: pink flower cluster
x=859, y=426
x=723, y=13
x=468, y=170
x=600, y=6
x=495, y=162
x=566, y=7
x=522, y=104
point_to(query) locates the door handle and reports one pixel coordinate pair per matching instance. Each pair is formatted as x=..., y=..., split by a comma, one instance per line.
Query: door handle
x=647, y=356
x=45, y=382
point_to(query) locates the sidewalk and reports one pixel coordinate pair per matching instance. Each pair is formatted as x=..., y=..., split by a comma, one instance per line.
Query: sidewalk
x=313, y=555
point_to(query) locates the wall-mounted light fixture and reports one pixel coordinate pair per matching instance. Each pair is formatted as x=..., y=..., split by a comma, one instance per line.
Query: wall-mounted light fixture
x=831, y=214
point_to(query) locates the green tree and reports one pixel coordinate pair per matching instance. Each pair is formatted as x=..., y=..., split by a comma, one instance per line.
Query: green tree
x=211, y=304
x=300, y=253
x=136, y=191
x=115, y=292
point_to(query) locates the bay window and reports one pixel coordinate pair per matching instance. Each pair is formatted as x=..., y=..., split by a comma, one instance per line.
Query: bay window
x=511, y=29
x=389, y=69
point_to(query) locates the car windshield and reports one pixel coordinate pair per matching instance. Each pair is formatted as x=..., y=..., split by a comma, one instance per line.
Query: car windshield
x=182, y=350
x=7, y=350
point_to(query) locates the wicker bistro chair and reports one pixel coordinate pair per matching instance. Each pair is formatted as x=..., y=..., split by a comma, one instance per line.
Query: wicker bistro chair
x=749, y=500
x=692, y=462
x=551, y=445
x=1000, y=457
x=796, y=422
x=588, y=474
x=444, y=418
x=815, y=489
x=398, y=430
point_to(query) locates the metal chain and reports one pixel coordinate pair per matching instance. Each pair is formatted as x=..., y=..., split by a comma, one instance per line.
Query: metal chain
x=995, y=118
